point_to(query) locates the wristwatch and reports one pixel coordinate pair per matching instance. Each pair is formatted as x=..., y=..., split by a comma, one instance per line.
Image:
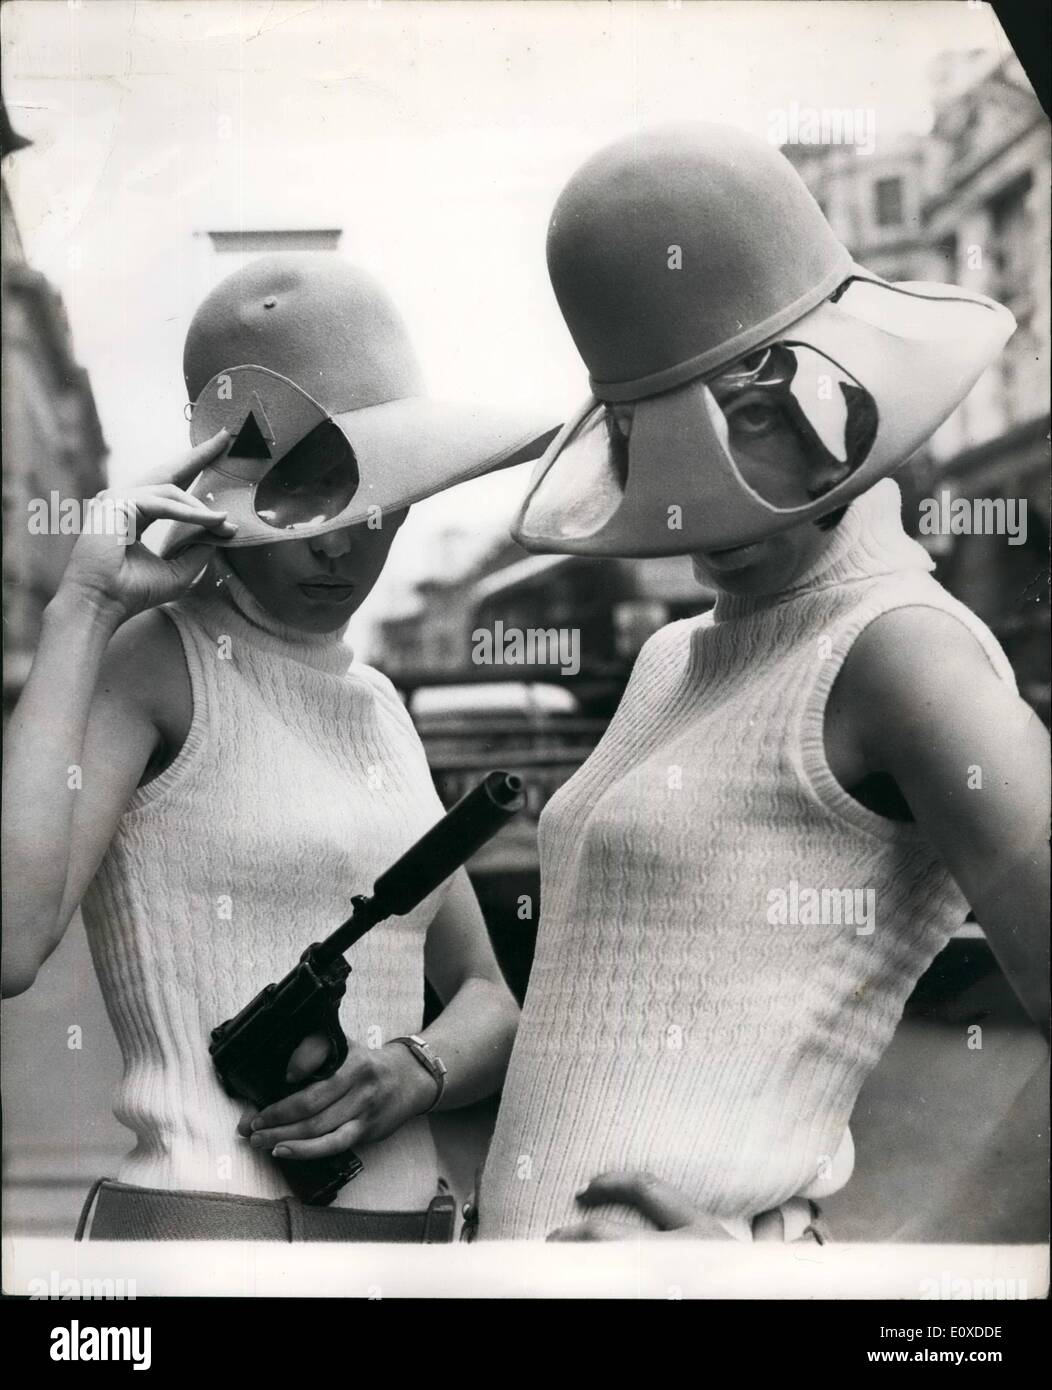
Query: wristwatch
x=429, y=1059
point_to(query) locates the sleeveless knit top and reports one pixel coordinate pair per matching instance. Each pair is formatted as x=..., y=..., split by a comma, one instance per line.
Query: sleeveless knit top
x=301, y=780
x=686, y=1015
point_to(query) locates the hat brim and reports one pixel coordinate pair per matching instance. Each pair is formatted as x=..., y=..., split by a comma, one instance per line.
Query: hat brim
x=406, y=450
x=917, y=348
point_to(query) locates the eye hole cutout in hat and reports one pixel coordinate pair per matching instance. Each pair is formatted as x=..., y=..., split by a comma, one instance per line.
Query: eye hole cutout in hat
x=793, y=423
x=311, y=484
x=790, y=422
x=582, y=492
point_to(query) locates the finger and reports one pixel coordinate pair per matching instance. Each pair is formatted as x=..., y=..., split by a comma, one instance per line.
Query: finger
x=768, y=1226
x=186, y=467
x=244, y=1125
x=128, y=503
x=179, y=494
x=186, y=567
x=785, y=1223
x=307, y=1058
x=595, y=1229
x=151, y=505
x=338, y=1142
x=657, y=1200
x=324, y=1122
x=312, y=1100
x=348, y=1105
x=354, y=1073
x=139, y=510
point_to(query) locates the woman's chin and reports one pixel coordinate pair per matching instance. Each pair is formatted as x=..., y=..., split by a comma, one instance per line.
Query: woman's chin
x=324, y=619
x=753, y=574
x=763, y=568
x=747, y=583
x=303, y=615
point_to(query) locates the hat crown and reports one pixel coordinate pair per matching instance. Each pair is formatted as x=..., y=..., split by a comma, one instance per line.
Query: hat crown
x=673, y=251
x=314, y=318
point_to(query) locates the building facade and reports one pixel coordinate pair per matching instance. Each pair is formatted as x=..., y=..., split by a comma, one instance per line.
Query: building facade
x=53, y=446
x=968, y=204
x=53, y=449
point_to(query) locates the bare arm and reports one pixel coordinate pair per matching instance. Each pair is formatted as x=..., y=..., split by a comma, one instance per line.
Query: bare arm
x=85, y=726
x=971, y=759
x=64, y=790
x=475, y=1030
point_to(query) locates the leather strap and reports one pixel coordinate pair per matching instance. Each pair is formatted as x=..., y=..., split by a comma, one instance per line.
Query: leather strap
x=123, y=1212
x=86, y=1209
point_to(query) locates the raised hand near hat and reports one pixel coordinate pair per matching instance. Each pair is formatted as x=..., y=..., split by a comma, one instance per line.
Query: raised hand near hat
x=104, y=697
x=112, y=570
x=96, y=708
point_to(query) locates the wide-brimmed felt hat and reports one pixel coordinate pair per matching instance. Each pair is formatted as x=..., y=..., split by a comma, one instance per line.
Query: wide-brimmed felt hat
x=307, y=363
x=707, y=295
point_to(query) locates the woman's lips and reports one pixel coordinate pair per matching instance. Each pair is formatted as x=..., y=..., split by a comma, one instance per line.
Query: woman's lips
x=327, y=590
x=738, y=558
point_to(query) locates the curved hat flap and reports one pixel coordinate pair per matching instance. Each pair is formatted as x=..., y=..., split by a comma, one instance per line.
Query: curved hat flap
x=916, y=348
x=400, y=452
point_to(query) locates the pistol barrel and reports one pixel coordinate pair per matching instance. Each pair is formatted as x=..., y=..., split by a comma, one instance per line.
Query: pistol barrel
x=443, y=849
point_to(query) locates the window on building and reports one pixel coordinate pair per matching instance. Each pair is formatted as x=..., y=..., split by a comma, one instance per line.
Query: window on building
x=1011, y=234
x=250, y=242
x=887, y=200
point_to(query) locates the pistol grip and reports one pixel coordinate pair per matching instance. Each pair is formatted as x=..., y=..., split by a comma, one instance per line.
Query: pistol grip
x=316, y=1181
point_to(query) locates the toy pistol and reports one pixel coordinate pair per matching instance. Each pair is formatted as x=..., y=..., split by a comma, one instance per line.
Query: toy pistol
x=251, y=1051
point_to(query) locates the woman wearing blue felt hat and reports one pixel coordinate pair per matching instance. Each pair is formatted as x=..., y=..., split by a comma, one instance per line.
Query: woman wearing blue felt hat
x=782, y=825
x=241, y=776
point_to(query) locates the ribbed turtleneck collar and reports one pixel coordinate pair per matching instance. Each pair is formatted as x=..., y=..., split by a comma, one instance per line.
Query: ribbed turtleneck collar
x=226, y=605
x=868, y=541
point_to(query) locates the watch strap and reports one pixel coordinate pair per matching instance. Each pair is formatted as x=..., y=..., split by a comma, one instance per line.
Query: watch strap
x=429, y=1059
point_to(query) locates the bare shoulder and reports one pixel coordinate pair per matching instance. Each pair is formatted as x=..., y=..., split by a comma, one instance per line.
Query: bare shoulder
x=918, y=669
x=908, y=650
x=144, y=672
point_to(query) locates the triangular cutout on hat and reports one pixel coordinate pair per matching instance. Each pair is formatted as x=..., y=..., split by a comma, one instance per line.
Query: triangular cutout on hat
x=250, y=442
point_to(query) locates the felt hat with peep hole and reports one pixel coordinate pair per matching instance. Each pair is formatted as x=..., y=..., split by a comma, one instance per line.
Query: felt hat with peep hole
x=746, y=373
x=304, y=359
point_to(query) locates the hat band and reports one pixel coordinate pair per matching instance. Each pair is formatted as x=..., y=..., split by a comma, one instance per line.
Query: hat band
x=655, y=382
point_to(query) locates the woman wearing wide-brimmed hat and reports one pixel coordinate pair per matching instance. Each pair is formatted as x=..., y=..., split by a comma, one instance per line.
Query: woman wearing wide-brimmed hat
x=239, y=776
x=802, y=791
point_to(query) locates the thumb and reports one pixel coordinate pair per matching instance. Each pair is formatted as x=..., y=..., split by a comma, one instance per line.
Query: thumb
x=307, y=1058
x=190, y=563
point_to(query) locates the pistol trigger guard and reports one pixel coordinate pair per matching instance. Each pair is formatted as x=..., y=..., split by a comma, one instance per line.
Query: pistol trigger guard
x=337, y=1055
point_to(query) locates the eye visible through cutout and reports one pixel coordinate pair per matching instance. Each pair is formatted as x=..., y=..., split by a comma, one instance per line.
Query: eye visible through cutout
x=313, y=483
x=796, y=423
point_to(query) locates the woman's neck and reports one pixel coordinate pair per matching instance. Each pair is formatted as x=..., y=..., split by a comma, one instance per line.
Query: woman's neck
x=224, y=599
x=868, y=541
